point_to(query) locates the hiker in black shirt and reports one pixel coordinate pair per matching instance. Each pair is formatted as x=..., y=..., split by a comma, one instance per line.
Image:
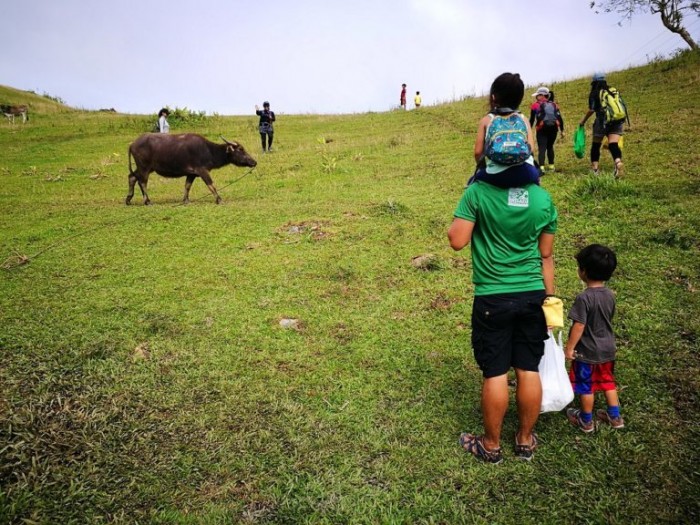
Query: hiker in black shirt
x=601, y=128
x=265, y=127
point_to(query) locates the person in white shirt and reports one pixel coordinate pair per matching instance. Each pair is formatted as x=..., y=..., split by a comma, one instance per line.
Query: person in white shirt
x=163, y=126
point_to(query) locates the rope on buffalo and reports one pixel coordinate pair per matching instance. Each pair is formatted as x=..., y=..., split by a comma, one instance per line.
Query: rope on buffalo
x=18, y=259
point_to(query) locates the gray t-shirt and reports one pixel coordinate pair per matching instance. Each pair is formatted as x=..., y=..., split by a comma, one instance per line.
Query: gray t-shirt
x=595, y=308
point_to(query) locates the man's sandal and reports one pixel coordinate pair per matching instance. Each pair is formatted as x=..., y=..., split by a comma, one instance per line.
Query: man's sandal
x=475, y=446
x=526, y=452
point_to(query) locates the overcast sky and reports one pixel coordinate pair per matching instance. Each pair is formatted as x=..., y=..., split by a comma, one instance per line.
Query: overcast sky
x=307, y=56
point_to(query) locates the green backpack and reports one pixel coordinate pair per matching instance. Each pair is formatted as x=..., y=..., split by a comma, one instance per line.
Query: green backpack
x=613, y=106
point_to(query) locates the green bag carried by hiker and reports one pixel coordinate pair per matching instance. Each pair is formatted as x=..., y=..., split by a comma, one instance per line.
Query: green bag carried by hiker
x=580, y=142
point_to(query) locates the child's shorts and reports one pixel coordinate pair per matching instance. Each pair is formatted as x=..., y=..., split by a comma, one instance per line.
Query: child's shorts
x=587, y=378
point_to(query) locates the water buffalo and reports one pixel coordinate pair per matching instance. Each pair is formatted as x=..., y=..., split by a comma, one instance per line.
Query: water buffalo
x=186, y=155
x=15, y=111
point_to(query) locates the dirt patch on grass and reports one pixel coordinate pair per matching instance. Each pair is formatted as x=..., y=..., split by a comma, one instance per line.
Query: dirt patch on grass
x=313, y=230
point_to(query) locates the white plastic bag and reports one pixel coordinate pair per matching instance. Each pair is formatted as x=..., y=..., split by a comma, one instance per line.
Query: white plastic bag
x=556, y=387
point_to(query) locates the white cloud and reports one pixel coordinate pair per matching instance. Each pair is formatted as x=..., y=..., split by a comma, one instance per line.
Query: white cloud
x=451, y=13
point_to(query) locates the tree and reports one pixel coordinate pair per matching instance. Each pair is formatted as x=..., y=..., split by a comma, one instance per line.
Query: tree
x=672, y=13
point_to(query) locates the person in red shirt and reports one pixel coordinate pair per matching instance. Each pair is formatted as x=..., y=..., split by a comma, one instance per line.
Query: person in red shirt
x=403, y=96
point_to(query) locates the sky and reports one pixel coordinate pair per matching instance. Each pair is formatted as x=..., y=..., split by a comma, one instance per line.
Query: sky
x=308, y=56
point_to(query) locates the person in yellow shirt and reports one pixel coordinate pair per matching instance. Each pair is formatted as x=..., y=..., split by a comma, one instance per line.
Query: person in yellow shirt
x=417, y=100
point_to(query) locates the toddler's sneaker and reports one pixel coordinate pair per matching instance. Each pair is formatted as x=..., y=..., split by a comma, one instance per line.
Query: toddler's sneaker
x=614, y=422
x=574, y=417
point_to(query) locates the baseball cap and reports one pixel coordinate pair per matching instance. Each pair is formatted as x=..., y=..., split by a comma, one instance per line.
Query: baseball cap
x=598, y=76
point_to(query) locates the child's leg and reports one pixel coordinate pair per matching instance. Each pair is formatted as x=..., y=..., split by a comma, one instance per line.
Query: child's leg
x=611, y=398
x=587, y=402
x=606, y=378
x=611, y=416
x=580, y=377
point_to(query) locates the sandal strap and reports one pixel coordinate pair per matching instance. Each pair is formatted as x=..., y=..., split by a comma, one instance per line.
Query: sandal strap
x=527, y=448
x=475, y=446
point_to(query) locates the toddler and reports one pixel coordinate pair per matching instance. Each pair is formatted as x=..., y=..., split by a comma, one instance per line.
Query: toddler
x=591, y=343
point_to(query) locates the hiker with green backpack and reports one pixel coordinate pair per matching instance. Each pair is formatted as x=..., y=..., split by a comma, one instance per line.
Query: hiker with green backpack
x=610, y=115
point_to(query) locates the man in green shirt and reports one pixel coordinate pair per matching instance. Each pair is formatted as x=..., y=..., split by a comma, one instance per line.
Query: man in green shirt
x=511, y=231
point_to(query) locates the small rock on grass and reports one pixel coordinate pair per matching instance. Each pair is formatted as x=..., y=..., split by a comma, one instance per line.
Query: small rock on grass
x=290, y=323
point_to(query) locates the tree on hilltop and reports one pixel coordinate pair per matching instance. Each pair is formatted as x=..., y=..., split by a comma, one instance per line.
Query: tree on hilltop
x=672, y=13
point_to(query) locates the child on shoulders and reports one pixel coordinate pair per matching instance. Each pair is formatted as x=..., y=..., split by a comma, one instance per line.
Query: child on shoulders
x=504, y=142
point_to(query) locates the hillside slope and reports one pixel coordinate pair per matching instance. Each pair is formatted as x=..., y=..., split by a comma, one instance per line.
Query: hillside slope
x=39, y=103
x=280, y=359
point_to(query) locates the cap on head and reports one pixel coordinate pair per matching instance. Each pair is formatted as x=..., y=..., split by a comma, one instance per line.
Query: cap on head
x=542, y=90
x=266, y=104
x=597, y=77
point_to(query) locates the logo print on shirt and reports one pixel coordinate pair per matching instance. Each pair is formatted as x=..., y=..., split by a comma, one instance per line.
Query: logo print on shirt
x=518, y=197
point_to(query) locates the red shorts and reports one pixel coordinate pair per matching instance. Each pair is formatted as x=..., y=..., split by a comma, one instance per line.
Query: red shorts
x=587, y=378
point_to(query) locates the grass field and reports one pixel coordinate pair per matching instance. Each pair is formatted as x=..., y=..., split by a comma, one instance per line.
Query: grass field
x=145, y=376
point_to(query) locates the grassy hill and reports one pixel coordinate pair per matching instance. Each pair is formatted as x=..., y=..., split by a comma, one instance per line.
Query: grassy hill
x=146, y=376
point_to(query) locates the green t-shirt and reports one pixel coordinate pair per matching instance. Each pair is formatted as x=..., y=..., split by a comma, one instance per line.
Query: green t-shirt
x=507, y=226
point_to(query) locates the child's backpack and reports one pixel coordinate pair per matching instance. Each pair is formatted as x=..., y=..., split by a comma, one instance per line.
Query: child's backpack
x=506, y=139
x=613, y=106
x=548, y=114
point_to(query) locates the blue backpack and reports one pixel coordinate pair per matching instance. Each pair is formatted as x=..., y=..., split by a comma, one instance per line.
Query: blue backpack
x=506, y=139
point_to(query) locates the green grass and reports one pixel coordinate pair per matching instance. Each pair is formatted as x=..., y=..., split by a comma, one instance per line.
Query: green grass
x=145, y=376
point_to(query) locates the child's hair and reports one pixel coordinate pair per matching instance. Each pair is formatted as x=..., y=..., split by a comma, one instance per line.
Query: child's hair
x=598, y=261
x=417, y=92
x=507, y=91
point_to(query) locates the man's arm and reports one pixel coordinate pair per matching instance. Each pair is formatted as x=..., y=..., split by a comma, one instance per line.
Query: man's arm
x=546, y=245
x=460, y=233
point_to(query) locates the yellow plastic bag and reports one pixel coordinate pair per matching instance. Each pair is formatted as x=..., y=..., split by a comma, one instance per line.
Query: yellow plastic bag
x=553, y=308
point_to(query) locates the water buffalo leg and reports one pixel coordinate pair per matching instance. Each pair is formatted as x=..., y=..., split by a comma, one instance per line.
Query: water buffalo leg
x=204, y=174
x=188, y=185
x=143, y=184
x=132, y=183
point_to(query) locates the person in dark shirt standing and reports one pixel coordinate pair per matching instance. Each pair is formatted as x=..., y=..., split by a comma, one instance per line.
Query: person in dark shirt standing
x=265, y=126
